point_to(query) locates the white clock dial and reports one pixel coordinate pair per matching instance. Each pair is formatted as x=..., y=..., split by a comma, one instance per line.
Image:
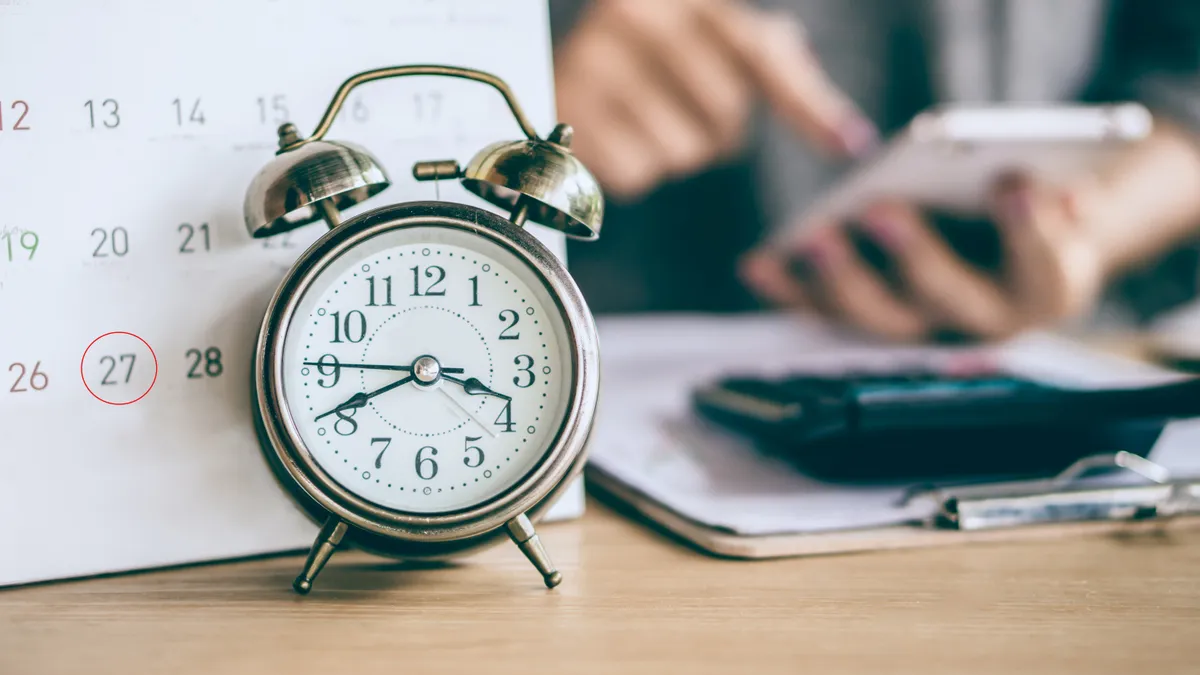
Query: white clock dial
x=491, y=383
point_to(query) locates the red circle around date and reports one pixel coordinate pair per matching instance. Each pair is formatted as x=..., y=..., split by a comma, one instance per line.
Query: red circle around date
x=132, y=361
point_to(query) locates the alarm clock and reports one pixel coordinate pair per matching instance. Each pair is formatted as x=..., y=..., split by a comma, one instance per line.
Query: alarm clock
x=426, y=374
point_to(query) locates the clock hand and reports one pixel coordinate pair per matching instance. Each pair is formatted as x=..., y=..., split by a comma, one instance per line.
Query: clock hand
x=474, y=387
x=469, y=413
x=360, y=399
x=373, y=366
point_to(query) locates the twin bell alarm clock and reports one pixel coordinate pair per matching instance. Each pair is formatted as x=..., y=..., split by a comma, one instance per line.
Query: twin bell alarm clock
x=426, y=375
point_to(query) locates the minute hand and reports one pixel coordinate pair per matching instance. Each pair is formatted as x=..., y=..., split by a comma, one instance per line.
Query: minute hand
x=373, y=366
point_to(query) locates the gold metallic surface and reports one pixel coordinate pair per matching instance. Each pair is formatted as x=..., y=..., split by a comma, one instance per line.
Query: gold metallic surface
x=339, y=97
x=436, y=169
x=564, y=194
x=526, y=539
x=327, y=542
x=422, y=536
x=288, y=192
x=314, y=179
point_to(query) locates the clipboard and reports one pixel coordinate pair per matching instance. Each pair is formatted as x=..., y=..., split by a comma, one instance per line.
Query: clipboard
x=1064, y=505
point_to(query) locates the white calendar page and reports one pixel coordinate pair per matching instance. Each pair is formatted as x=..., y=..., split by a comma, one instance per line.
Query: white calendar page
x=129, y=131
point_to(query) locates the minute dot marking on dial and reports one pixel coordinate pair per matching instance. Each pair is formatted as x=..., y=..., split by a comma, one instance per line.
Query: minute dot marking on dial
x=487, y=473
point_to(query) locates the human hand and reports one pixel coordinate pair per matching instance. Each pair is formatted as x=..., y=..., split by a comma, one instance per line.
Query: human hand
x=661, y=89
x=1053, y=268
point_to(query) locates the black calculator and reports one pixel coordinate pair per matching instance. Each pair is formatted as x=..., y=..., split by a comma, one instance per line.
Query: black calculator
x=919, y=425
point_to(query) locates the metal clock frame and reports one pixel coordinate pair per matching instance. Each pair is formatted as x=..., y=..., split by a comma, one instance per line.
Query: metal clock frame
x=397, y=533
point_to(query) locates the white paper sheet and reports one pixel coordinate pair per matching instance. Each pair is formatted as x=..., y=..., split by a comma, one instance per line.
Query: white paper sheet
x=647, y=438
x=129, y=132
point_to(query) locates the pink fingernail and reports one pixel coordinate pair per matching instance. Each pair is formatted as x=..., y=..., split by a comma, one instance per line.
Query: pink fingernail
x=1016, y=207
x=823, y=254
x=856, y=136
x=886, y=230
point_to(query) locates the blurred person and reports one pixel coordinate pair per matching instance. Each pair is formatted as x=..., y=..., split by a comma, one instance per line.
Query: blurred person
x=711, y=122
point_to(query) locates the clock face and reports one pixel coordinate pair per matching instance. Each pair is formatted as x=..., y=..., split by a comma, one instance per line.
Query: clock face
x=427, y=369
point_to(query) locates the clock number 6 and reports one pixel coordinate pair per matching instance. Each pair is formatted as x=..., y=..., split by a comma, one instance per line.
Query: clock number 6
x=468, y=448
x=427, y=463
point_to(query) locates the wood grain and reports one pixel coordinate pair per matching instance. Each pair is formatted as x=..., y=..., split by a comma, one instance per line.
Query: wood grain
x=636, y=602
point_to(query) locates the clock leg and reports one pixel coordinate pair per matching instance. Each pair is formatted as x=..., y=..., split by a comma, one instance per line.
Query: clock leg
x=327, y=541
x=521, y=531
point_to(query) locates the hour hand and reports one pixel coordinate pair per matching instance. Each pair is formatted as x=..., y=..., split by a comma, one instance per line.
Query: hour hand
x=356, y=401
x=474, y=387
x=360, y=399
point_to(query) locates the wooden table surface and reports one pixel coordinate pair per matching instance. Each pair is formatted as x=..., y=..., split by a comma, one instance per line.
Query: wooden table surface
x=636, y=602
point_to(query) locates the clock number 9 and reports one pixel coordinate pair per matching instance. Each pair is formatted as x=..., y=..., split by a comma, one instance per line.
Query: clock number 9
x=426, y=464
x=468, y=448
x=332, y=364
x=527, y=369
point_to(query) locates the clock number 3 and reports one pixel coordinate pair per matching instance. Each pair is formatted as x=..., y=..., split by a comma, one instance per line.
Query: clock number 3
x=527, y=369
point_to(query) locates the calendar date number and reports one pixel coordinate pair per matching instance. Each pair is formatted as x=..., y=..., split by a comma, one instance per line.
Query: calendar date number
x=204, y=363
x=19, y=245
x=18, y=110
x=28, y=379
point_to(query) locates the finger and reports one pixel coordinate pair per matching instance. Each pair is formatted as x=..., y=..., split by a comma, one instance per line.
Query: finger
x=623, y=163
x=692, y=65
x=773, y=51
x=1047, y=265
x=847, y=288
x=663, y=122
x=937, y=279
x=606, y=140
x=627, y=89
x=766, y=274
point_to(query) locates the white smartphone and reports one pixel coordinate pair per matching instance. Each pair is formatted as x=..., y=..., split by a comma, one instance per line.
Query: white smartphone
x=948, y=158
